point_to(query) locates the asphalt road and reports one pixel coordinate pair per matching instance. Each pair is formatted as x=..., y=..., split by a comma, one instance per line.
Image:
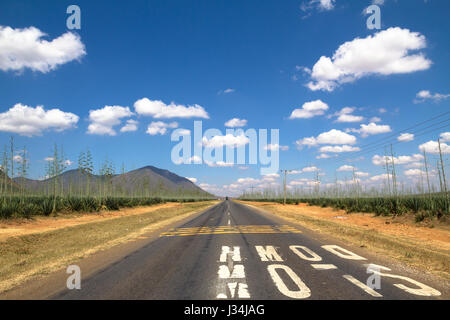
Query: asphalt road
x=232, y=251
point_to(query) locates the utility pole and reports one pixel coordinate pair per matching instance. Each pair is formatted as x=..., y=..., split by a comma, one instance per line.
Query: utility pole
x=355, y=184
x=440, y=177
x=443, y=175
x=12, y=164
x=426, y=170
x=285, y=176
x=442, y=166
x=394, y=178
x=387, y=171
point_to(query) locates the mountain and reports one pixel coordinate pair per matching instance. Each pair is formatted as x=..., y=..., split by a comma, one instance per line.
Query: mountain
x=146, y=181
x=5, y=180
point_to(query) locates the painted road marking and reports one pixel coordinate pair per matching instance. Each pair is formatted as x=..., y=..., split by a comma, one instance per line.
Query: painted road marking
x=235, y=254
x=242, y=290
x=361, y=285
x=261, y=229
x=312, y=256
x=268, y=253
x=423, y=290
x=236, y=273
x=302, y=292
x=232, y=278
x=342, y=253
x=324, y=266
x=231, y=271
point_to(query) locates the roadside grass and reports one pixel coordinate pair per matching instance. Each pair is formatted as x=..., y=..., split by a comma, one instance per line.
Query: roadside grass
x=422, y=206
x=27, y=206
x=27, y=256
x=419, y=255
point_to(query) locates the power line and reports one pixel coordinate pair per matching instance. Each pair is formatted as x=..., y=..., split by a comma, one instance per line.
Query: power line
x=406, y=129
x=377, y=145
x=393, y=142
x=388, y=139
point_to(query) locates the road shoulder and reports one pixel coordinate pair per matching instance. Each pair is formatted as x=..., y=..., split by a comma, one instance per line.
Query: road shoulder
x=92, y=246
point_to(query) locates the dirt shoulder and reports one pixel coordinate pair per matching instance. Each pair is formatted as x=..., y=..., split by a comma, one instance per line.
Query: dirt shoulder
x=19, y=227
x=425, y=246
x=44, y=245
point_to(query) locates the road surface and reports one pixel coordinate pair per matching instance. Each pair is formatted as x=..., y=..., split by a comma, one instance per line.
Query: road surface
x=233, y=251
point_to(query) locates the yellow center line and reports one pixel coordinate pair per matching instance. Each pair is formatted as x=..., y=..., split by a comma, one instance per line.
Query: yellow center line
x=255, y=229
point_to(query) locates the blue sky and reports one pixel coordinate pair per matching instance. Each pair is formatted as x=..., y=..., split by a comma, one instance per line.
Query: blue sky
x=265, y=52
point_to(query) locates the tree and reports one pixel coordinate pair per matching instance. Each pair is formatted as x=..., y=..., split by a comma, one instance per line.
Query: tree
x=106, y=172
x=23, y=168
x=394, y=176
x=5, y=170
x=12, y=164
x=86, y=168
x=89, y=169
x=81, y=170
x=426, y=171
x=62, y=167
x=55, y=169
x=387, y=171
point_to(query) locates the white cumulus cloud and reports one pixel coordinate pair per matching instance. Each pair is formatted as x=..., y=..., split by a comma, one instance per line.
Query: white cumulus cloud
x=346, y=168
x=424, y=95
x=338, y=149
x=361, y=174
x=414, y=173
x=345, y=115
x=159, y=110
x=433, y=147
x=322, y=5
x=371, y=129
x=235, y=123
x=275, y=147
x=29, y=121
x=309, y=110
x=228, y=140
x=391, y=51
x=400, y=160
x=381, y=177
x=25, y=48
x=445, y=137
x=405, y=137
x=131, y=125
x=229, y=90
x=103, y=120
x=160, y=127
x=219, y=164
x=323, y=156
x=331, y=137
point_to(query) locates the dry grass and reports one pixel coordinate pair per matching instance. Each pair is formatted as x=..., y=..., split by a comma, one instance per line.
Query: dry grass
x=424, y=248
x=27, y=256
x=38, y=224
